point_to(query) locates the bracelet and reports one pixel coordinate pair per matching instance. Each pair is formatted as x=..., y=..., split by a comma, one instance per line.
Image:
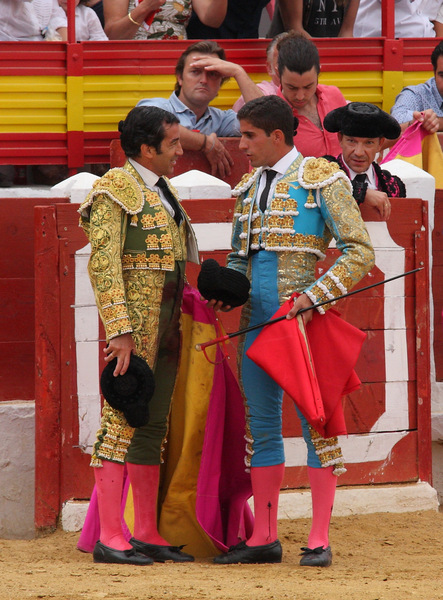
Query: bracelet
x=132, y=20
x=203, y=146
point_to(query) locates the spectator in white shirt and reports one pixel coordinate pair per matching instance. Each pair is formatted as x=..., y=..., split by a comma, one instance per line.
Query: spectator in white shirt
x=32, y=20
x=87, y=23
x=412, y=18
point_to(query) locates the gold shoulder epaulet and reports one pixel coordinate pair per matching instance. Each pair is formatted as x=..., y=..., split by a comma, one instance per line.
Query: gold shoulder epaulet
x=318, y=172
x=246, y=182
x=121, y=187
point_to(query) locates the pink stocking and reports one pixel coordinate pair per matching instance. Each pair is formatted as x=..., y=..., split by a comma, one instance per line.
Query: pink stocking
x=144, y=481
x=266, y=484
x=323, y=484
x=109, y=486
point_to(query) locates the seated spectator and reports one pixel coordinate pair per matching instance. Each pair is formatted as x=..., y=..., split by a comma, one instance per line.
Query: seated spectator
x=438, y=22
x=298, y=68
x=423, y=102
x=97, y=7
x=32, y=20
x=412, y=19
x=362, y=129
x=87, y=23
x=269, y=88
x=242, y=21
x=158, y=19
x=315, y=18
x=200, y=72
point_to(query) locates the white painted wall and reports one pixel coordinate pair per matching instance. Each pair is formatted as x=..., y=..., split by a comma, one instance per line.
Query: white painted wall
x=17, y=473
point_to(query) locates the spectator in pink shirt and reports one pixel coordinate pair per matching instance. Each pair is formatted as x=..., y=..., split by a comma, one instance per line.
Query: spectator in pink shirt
x=298, y=68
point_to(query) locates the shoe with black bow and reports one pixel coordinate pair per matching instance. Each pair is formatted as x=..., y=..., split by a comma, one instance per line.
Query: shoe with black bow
x=241, y=553
x=106, y=554
x=161, y=553
x=316, y=557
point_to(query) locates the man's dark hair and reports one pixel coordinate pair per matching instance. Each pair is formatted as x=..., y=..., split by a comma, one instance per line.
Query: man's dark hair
x=297, y=54
x=270, y=113
x=436, y=53
x=203, y=47
x=144, y=125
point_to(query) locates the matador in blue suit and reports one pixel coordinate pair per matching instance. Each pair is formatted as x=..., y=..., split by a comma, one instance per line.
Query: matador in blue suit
x=288, y=210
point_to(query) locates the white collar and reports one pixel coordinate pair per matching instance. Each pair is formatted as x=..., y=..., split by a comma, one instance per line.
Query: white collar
x=282, y=165
x=149, y=177
x=370, y=175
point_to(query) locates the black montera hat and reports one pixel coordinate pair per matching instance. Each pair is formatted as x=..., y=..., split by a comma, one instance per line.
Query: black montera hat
x=220, y=283
x=362, y=119
x=131, y=392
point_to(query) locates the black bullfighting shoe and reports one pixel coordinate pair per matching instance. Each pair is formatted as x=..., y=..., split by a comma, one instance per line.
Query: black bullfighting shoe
x=241, y=553
x=105, y=554
x=317, y=557
x=161, y=553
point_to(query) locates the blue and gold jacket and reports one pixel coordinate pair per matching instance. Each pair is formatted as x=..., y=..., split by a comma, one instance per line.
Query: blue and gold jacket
x=312, y=205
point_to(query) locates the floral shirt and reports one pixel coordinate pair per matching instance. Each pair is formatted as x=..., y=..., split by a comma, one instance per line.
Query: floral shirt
x=168, y=24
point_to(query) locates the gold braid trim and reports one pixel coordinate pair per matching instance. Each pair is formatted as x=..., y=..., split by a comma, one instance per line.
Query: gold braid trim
x=329, y=452
x=113, y=438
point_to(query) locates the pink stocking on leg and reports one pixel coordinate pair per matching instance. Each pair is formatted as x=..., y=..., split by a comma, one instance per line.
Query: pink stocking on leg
x=323, y=484
x=266, y=484
x=144, y=481
x=109, y=486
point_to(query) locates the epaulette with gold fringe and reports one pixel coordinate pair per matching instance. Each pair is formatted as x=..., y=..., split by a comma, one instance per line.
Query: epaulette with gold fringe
x=246, y=182
x=121, y=187
x=315, y=173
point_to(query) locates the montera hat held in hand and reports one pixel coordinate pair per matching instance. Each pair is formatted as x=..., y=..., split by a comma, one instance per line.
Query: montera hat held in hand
x=222, y=284
x=131, y=392
x=362, y=119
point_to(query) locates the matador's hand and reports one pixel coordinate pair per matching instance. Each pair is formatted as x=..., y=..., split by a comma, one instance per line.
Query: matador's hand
x=121, y=348
x=301, y=302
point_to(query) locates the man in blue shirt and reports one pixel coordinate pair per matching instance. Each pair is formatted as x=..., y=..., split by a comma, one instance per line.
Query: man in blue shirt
x=200, y=71
x=423, y=102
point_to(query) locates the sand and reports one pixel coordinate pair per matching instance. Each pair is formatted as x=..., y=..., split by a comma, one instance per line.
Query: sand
x=375, y=557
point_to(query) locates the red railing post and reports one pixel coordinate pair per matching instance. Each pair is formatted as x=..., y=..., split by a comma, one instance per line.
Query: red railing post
x=47, y=369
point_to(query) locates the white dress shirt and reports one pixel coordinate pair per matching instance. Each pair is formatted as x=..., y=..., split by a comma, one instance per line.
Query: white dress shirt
x=371, y=179
x=412, y=18
x=27, y=20
x=87, y=25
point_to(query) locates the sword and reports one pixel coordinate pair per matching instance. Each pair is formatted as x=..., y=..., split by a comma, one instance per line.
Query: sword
x=228, y=336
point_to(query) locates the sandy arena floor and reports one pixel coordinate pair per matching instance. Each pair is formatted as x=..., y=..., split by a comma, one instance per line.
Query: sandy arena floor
x=376, y=557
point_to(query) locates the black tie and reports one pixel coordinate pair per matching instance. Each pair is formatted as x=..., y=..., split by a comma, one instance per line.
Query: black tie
x=359, y=187
x=270, y=174
x=359, y=179
x=161, y=183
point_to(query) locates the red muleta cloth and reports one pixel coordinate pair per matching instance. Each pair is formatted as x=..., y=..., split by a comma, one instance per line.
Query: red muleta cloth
x=281, y=350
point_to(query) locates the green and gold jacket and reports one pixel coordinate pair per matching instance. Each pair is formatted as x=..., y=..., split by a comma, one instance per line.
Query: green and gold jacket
x=131, y=233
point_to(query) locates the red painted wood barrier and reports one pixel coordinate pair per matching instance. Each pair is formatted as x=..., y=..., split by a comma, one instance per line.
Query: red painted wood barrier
x=62, y=466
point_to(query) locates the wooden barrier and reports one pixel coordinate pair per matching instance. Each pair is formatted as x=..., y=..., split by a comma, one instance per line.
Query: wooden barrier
x=388, y=419
x=17, y=332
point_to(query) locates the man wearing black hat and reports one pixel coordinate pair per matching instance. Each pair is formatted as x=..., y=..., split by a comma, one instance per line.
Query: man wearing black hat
x=362, y=129
x=287, y=211
x=140, y=240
